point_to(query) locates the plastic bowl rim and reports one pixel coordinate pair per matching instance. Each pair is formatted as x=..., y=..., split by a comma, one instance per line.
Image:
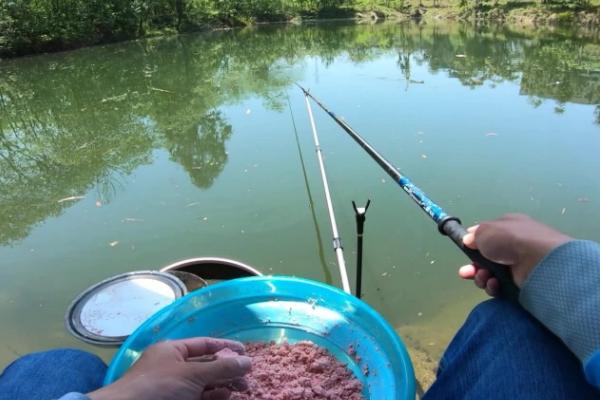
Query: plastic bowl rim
x=408, y=371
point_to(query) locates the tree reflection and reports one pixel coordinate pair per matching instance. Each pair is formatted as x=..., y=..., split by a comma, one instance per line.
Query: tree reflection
x=201, y=149
x=74, y=121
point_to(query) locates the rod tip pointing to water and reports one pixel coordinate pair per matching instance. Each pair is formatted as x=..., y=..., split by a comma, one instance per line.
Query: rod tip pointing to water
x=301, y=88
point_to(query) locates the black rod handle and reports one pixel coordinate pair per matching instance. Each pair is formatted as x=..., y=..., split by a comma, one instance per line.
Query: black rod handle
x=452, y=228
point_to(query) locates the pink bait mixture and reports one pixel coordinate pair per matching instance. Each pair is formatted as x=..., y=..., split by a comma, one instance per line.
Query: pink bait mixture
x=301, y=371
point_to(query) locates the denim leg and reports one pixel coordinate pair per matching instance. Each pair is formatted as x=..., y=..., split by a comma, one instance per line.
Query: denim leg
x=50, y=374
x=502, y=352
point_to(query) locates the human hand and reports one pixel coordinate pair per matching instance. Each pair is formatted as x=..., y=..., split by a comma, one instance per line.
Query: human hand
x=514, y=240
x=185, y=369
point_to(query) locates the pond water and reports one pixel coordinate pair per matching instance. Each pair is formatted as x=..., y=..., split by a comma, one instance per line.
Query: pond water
x=132, y=156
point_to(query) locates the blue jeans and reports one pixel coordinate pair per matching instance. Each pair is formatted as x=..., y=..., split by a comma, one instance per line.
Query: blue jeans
x=51, y=374
x=500, y=353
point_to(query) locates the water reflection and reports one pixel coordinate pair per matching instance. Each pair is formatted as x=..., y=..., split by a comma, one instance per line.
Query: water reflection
x=73, y=121
x=200, y=149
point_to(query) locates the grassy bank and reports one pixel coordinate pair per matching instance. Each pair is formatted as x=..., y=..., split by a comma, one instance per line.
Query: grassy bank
x=28, y=27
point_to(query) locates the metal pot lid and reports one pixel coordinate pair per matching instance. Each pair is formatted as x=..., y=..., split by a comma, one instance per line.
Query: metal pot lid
x=109, y=311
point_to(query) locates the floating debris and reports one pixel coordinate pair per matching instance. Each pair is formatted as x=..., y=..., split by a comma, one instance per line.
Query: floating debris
x=383, y=180
x=206, y=219
x=120, y=97
x=432, y=262
x=384, y=274
x=491, y=134
x=423, y=156
x=98, y=203
x=71, y=198
x=563, y=211
x=113, y=244
x=131, y=220
x=583, y=200
x=420, y=133
x=248, y=111
x=419, y=314
x=161, y=90
x=192, y=204
x=461, y=56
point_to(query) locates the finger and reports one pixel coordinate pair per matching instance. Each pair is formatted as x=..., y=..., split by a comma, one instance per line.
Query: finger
x=220, y=371
x=217, y=394
x=481, y=278
x=473, y=229
x=492, y=287
x=195, y=347
x=469, y=238
x=238, y=385
x=205, y=358
x=467, y=271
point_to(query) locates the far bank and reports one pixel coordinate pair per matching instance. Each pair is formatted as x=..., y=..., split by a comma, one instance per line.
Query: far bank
x=45, y=26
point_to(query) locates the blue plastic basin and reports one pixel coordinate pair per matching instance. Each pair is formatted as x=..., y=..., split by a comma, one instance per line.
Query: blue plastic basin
x=284, y=309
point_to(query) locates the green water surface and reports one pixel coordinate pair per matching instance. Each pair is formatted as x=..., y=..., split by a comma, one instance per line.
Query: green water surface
x=132, y=156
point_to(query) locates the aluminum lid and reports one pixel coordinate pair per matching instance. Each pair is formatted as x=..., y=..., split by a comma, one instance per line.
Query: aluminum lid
x=109, y=311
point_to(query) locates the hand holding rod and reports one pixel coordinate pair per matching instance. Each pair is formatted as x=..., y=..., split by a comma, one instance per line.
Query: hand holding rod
x=447, y=225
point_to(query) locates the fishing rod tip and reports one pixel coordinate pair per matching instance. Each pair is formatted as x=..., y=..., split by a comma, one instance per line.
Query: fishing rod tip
x=301, y=88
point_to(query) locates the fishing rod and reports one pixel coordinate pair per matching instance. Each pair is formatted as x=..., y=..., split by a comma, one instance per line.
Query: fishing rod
x=447, y=225
x=337, y=243
x=311, y=202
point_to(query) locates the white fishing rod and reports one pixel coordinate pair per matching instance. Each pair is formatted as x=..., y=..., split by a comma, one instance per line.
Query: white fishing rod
x=337, y=242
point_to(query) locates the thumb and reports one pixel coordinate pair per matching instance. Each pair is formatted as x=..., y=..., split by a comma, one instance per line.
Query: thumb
x=222, y=370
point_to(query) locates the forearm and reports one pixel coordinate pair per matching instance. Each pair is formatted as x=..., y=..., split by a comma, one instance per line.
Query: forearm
x=563, y=292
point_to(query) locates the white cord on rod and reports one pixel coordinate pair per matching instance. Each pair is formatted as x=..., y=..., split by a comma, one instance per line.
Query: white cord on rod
x=337, y=245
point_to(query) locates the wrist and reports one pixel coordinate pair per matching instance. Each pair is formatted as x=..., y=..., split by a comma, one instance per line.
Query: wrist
x=111, y=392
x=532, y=256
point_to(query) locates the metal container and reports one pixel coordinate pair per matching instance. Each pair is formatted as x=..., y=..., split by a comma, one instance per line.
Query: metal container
x=213, y=269
x=108, y=312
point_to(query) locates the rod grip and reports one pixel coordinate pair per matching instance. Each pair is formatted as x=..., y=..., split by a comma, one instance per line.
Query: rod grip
x=452, y=228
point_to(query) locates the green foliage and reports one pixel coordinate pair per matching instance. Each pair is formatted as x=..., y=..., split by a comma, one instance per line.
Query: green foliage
x=28, y=26
x=32, y=26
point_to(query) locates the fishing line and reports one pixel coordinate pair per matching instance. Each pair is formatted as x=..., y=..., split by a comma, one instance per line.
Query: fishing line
x=326, y=271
